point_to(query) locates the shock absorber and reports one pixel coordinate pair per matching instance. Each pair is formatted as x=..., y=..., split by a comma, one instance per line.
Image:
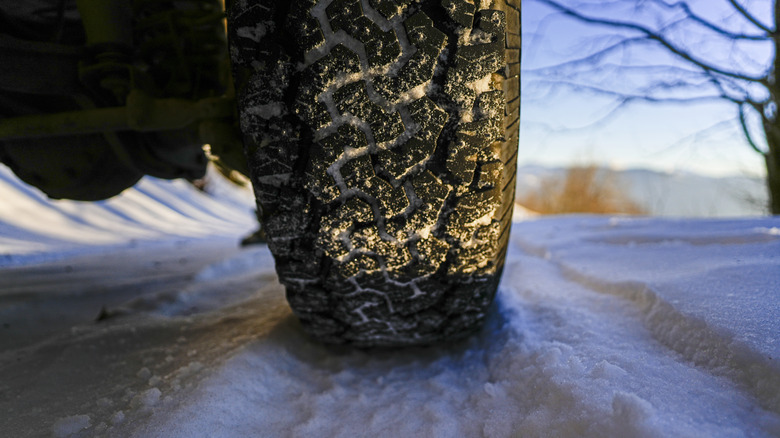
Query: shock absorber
x=182, y=45
x=108, y=27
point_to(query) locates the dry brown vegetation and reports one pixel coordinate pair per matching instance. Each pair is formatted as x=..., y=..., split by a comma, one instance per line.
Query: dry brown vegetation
x=584, y=189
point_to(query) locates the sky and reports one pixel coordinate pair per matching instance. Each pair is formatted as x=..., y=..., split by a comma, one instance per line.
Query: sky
x=564, y=127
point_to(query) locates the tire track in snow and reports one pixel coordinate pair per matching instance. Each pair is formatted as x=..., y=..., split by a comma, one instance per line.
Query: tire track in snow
x=696, y=341
x=588, y=335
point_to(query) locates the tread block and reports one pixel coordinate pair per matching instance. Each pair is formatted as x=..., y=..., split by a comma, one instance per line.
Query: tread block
x=357, y=172
x=323, y=154
x=419, y=69
x=248, y=30
x=397, y=256
x=336, y=227
x=483, y=132
x=472, y=210
x=416, y=150
x=489, y=104
x=376, y=282
x=480, y=203
x=490, y=174
x=362, y=263
x=356, y=210
x=488, y=234
x=366, y=310
x=430, y=189
x=382, y=48
x=367, y=239
x=275, y=162
x=390, y=8
x=480, y=254
x=397, y=228
x=314, y=113
x=429, y=116
x=476, y=205
x=392, y=254
x=457, y=88
x=477, y=141
x=318, y=76
x=394, y=164
x=430, y=120
x=432, y=252
x=433, y=193
x=421, y=219
x=304, y=27
x=330, y=238
x=474, y=62
x=462, y=159
x=392, y=201
x=320, y=183
x=340, y=60
x=461, y=11
x=330, y=148
x=353, y=99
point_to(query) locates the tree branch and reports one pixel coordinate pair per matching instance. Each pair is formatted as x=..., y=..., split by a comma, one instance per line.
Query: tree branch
x=589, y=59
x=746, y=131
x=713, y=27
x=628, y=97
x=749, y=17
x=653, y=36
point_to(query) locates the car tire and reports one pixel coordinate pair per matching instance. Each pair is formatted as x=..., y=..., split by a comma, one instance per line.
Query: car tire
x=381, y=137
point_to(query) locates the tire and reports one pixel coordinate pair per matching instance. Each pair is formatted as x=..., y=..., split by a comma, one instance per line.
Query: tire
x=381, y=137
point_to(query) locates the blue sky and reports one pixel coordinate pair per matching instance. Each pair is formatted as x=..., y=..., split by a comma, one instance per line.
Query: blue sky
x=559, y=129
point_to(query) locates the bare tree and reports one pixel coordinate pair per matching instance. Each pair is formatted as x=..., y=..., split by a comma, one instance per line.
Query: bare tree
x=709, y=50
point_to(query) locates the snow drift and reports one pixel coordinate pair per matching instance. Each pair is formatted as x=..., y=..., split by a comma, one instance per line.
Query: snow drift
x=602, y=327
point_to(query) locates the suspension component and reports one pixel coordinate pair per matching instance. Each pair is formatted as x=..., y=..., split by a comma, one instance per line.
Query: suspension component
x=142, y=114
x=183, y=48
x=140, y=87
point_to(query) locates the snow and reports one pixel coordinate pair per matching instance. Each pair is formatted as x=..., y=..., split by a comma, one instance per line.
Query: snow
x=33, y=228
x=141, y=317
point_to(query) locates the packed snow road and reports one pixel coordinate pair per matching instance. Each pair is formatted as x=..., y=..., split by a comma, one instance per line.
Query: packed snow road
x=602, y=327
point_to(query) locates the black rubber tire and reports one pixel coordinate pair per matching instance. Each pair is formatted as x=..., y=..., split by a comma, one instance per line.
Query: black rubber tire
x=381, y=137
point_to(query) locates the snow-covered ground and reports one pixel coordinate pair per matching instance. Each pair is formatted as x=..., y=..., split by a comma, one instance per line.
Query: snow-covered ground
x=141, y=317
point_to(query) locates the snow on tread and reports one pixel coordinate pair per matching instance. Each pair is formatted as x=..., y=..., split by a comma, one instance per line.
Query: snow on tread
x=381, y=47
x=380, y=179
x=419, y=70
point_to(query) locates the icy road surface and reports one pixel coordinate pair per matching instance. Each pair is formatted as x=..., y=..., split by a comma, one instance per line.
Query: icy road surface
x=602, y=327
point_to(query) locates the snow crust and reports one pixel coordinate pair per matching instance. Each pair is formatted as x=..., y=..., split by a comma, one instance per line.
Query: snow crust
x=603, y=326
x=34, y=228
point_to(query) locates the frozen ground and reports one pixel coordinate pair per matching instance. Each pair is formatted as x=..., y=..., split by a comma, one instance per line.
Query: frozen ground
x=115, y=324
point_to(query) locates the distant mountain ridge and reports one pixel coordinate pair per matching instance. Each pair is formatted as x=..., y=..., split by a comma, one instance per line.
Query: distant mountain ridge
x=671, y=194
